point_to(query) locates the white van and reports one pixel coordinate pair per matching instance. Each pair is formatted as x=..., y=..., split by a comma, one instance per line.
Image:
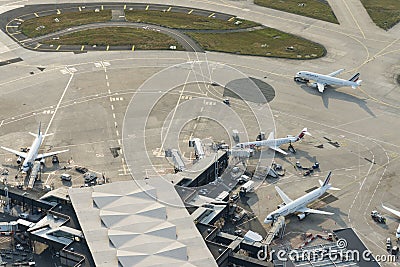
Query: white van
x=66, y=177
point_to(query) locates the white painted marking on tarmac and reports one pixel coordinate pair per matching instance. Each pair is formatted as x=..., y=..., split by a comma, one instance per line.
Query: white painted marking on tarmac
x=113, y=117
x=58, y=105
x=117, y=132
x=112, y=107
x=115, y=124
x=1, y=124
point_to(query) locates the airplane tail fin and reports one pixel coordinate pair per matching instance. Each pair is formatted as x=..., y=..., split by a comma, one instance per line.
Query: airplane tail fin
x=36, y=135
x=358, y=84
x=302, y=133
x=327, y=184
x=355, y=77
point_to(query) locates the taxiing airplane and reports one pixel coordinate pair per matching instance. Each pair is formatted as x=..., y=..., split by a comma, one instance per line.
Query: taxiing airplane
x=299, y=206
x=322, y=80
x=33, y=153
x=397, y=213
x=273, y=143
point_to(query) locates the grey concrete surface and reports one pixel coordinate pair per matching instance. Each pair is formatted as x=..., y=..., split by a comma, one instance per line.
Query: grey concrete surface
x=365, y=122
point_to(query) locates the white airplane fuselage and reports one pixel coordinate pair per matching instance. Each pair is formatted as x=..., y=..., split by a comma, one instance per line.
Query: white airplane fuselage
x=325, y=79
x=32, y=153
x=273, y=142
x=300, y=202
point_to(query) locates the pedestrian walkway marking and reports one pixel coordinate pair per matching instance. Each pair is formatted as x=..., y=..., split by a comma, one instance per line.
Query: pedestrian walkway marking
x=113, y=99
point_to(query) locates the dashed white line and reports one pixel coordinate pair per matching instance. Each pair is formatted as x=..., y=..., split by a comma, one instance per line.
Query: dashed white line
x=108, y=84
x=112, y=107
x=114, y=115
x=123, y=165
x=1, y=124
x=117, y=132
x=115, y=124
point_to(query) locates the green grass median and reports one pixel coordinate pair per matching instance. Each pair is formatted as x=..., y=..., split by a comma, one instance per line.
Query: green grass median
x=266, y=42
x=309, y=8
x=118, y=36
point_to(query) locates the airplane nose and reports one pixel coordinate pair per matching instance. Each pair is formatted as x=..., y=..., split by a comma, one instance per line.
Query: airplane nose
x=266, y=221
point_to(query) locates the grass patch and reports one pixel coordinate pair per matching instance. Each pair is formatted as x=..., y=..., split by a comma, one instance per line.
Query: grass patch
x=385, y=13
x=118, y=36
x=47, y=24
x=184, y=21
x=310, y=8
x=266, y=42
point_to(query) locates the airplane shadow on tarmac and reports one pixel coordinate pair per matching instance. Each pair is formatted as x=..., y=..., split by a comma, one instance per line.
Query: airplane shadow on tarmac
x=331, y=93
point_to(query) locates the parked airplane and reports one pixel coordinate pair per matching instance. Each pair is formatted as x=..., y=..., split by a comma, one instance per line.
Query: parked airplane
x=33, y=153
x=397, y=213
x=299, y=206
x=273, y=143
x=322, y=80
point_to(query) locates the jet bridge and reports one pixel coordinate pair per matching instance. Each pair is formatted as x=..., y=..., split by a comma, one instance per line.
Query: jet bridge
x=198, y=147
x=277, y=230
x=179, y=165
x=35, y=172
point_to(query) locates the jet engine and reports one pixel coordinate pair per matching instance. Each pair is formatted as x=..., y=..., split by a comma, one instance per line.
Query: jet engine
x=301, y=216
x=42, y=161
x=19, y=160
x=314, y=85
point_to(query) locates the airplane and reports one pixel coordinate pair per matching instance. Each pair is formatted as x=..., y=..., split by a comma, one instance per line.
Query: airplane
x=299, y=206
x=397, y=213
x=322, y=80
x=33, y=153
x=273, y=143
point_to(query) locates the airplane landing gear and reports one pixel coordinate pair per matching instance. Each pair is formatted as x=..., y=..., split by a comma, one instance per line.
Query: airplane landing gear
x=291, y=148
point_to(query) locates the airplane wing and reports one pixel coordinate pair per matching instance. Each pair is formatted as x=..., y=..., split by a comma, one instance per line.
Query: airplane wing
x=19, y=153
x=277, y=149
x=284, y=197
x=333, y=74
x=46, y=155
x=321, y=87
x=395, y=212
x=308, y=210
x=271, y=136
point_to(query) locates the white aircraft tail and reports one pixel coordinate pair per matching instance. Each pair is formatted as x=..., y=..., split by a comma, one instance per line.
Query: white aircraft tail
x=355, y=77
x=302, y=133
x=358, y=84
x=327, y=184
